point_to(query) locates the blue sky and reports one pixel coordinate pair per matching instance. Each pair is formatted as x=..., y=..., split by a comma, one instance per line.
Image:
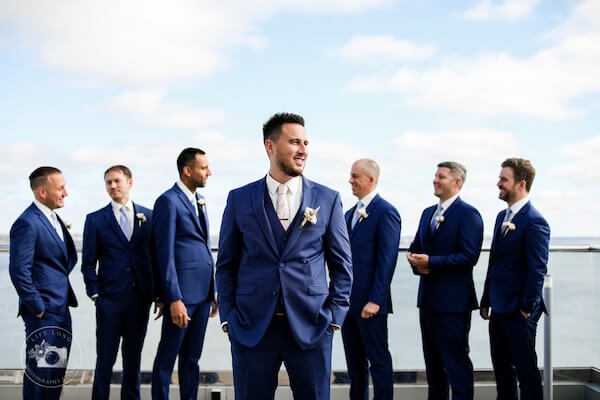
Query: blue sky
x=408, y=83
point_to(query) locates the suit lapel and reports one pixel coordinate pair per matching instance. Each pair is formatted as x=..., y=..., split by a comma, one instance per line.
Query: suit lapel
x=52, y=231
x=349, y=216
x=137, y=225
x=258, y=198
x=186, y=202
x=370, y=209
x=447, y=214
x=202, y=216
x=109, y=215
x=308, y=200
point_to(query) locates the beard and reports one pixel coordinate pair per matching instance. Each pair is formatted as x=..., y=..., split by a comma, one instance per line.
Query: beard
x=289, y=170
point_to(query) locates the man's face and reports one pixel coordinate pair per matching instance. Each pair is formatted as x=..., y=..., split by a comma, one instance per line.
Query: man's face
x=53, y=193
x=199, y=171
x=507, y=185
x=118, y=186
x=360, y=182
x=290, y=150
x=445, y=185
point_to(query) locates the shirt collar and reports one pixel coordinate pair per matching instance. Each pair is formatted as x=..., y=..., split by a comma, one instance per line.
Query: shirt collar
x=188, y=193
x=449, y=202
x=516, y=207
x=43, y=208
x=366, y=200
x=293, y=184
x=117, y=207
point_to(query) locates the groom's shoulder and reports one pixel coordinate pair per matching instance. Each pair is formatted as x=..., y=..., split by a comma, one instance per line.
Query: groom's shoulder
x=247, y=187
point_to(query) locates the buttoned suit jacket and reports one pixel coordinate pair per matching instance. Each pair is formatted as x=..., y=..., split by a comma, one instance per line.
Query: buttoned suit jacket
x=518, y=263
x=374, y=242
x=182, y=248
x=106, y=246
x=251, y=270
x=40, y=263
x=453, y=250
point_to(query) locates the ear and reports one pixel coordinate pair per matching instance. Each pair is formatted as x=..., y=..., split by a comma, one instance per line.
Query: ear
x=187, y=171
x=269, y=146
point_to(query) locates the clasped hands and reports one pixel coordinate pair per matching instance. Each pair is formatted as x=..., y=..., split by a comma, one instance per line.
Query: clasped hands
x=420, y=262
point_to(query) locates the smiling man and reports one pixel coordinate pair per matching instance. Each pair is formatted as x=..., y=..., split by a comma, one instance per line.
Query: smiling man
x=275, y=303
x=513, y=285
x=117, y=270
x=443, y=253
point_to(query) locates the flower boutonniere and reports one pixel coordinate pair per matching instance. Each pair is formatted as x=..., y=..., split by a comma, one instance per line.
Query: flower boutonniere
x=362, y=212
x=141, y=217
x=508, y=226
x=310, y=215
x=201, y=202
x=68, y=224
x=439, y=219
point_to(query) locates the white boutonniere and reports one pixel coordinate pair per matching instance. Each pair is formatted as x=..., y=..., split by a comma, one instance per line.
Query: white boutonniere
x=310, y=215
x=201, y=202
x=362, y=212
x=439, y=219
x=141, y=218
x=508, y=226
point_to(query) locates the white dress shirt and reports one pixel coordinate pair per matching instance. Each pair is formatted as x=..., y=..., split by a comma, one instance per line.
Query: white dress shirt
x=294, y=194
x=49, y=214
x=188, y=193
x=516, y=207
x=116, y=207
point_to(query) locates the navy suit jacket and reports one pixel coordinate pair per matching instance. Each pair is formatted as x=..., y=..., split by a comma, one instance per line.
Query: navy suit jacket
x=374, y=242
x=252, y=271
x=182, y=249
x=453, y=251
x=118, y=258
x=518, y=263
x=40, y=263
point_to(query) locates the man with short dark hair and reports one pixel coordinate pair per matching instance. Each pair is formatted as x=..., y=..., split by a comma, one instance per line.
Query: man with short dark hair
x=42, y=254
x=185, y=265
x=443, y=253
x=513, y=285
x=117, y=240
x=275, y=302
x=374, y=228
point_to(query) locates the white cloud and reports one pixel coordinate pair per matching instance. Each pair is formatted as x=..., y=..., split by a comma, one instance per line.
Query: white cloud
x=378, y=48
x=580, y=162
x=509, y=10
x=541, y=85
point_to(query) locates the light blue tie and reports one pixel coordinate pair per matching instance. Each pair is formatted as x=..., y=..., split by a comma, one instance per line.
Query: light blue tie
x=124, y=223
x=507, y=215
x=57, y=226
x=434, y=222
x=356, y=215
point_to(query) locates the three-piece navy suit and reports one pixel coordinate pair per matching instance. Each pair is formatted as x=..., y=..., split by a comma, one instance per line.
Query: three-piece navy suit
x=262, y=268
x=374, y=241
x=185, y=266
x=40, y=262
x=514, y=281
x=124, y=285
x=447, y=296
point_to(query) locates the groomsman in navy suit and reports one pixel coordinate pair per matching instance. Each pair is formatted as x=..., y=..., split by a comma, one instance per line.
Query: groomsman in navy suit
x=276, y=236
x=185, y=266
x=374, y=229
x=116, y=238
x=42, y=254
x=444, y=252
x=513, y=285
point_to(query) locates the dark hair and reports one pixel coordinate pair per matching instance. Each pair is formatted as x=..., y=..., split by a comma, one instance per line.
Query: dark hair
x=272, y=128
x=187, y=157
x=456, y=169
x=126, y=171
x=39, y=176
x=522, y=169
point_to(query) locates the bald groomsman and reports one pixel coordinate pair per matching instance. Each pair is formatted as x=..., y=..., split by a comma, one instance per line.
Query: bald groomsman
x=443, y=253
x=374, y=230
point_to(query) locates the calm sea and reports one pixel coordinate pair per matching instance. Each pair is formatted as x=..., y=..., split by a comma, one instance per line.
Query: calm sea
x=576, y=319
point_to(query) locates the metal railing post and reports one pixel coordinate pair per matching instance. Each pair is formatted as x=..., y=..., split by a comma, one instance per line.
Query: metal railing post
x=548, y=378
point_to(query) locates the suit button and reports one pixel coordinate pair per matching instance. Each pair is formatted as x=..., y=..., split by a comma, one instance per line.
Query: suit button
x=133, y=284
x=275, y=293
x=282, y=265
x=127, y=269
x=209, y=263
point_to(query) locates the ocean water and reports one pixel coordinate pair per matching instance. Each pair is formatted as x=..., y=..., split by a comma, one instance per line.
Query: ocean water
x=576, y=320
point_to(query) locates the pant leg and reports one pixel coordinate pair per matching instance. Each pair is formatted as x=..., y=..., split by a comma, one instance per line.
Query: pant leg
x=191, y=349
x=135, y=323
x=504, y=371
x=437, y=380
x=356, y=359
x=374, y=334
x=108, y=335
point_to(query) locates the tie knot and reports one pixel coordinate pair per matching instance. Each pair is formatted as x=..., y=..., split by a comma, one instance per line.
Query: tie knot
x=359, y=205
x=123, y=209
x=282, y=189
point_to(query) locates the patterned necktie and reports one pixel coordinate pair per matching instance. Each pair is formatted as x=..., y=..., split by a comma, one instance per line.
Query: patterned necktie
x=434, y=223
x=282, y=207
x=57, y=226
x=356, y=216
x=124, y=222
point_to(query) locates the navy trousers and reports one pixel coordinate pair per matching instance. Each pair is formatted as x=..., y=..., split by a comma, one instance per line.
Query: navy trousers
x=512, y=344
x=185, y=343
x=255, y=368
x=366, y=348
x=125, y=318
x=445, y=338
x=43, y=380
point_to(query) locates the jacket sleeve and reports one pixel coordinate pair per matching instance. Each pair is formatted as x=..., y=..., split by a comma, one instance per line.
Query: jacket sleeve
x=89, y=257
x=164, y=217
x=537, y=239
x=388, y=240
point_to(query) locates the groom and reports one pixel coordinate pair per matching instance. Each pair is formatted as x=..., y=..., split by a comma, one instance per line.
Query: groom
x=274, y=301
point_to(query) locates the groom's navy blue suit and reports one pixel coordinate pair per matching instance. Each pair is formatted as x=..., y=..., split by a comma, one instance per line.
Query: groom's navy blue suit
x=447, y=296
x=262, y=268
x=374, y=242
x=515, y=277
x=125, y=288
